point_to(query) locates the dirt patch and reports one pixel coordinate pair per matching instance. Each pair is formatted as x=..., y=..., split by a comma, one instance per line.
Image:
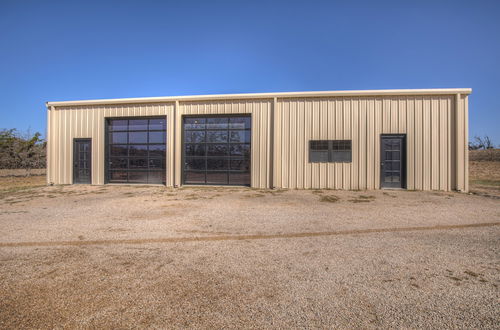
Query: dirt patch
x=329, y=198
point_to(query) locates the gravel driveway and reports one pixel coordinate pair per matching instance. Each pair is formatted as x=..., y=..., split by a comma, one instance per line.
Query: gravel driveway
x=138, y=256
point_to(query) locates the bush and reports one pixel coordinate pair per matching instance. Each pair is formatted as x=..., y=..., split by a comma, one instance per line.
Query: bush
x=18, y=150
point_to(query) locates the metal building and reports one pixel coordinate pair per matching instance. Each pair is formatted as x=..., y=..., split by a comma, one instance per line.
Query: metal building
x=410, y=139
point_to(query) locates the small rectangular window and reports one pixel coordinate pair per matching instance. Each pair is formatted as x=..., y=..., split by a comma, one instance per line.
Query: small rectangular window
x=331, y=151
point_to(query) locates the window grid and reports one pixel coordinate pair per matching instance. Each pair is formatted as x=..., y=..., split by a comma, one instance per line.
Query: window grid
x=200, y=160
x=138, y=162
x=330, y=151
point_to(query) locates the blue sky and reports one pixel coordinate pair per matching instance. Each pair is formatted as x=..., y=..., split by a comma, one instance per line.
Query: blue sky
x=66, y=50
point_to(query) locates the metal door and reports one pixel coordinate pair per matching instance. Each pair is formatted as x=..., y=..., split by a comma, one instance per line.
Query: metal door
x=82, y=172
x=393, y=161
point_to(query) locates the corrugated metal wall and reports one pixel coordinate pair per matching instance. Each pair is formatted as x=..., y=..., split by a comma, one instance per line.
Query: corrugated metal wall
x=260, y=111
x=426, y=121
x=435, y=126
x=68, y=123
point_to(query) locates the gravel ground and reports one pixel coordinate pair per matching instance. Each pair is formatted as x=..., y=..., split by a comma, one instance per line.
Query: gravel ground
x=138, y=256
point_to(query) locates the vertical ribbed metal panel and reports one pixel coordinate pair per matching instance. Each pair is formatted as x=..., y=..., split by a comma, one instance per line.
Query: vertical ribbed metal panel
x=68, y=123
x=425, y=120
x=260, y=110
x=436, y=128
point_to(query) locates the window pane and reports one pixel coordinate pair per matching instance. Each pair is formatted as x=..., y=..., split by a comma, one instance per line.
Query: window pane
x=217, y=150
x=118, y=137
x=156, y=137
x=118, y=176
x=195, y=149
x=240, y=164
x=156, y=163
x=239, y=122
x=217, y=178
x=118, y=163
x=239, y=136
x=137, y=137
x=318, y=156
x=138, y=150
x=158, y=124
x=195, y=164
x=137, y=176
x=239, y=178
x=240, y=150
x=194, y=123
x=157, y=150
x=217, y=136
x=156, y=177
x=119, y=150
x=118, y=125
x=341, y=156
x=319, y=145
x=138, y=124
x=194, y=136
x=194, y=177
x=138, y=163
x=216, y=122
x=217, y=164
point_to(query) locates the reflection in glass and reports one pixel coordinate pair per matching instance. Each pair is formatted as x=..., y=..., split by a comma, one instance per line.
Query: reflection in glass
x=118, y=137
x=156, y=137
x=119, y=150
x=157, y=124
x=118, y=162
x=217, y=164
x=118, y=125
x=138, y=150
x=195, y=164
x=239, y=136
x=194, y=136
x=217, y=150
x=240, y=150
x=195, y=149
x=157, y=150
x=137, y=176
x=138, y=124
x=217, y=178
x=217, y=122
x=216, y=136
x=194, y=177
x=138, y=163
x=138, y=137
x=194, y=123
x=239, y=122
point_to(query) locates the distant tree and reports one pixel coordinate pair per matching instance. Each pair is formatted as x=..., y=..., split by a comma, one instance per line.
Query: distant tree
x=18, y=150
x=483, y=143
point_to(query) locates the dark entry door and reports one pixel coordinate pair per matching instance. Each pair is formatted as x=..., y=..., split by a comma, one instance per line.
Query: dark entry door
x=82, y=172
x=393, y=157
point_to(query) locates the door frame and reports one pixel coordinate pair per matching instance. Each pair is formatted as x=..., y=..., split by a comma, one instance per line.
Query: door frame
x=75, y=151
x=403, y=160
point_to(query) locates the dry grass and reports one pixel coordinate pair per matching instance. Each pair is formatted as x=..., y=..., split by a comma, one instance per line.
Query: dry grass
x=484, y=178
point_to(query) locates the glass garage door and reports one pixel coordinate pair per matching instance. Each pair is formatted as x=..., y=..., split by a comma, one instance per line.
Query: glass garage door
x=136, y=150
x=217, y=150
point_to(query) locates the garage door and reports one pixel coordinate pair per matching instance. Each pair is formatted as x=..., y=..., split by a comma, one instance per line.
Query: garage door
x=217, y=150
x=135, y=150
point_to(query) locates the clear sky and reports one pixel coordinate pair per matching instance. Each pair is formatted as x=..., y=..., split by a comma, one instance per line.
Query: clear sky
x=70, y=50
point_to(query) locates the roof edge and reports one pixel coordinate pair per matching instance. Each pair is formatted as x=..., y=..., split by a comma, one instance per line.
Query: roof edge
x=380, y=92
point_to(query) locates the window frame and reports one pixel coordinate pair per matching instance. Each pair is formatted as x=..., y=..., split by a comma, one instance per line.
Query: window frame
x=331, y=150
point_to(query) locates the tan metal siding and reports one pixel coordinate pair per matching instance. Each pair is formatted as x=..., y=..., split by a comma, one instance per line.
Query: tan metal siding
x=260, y=110
x=424, y=120
x=436, y=127
x=68, y=123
